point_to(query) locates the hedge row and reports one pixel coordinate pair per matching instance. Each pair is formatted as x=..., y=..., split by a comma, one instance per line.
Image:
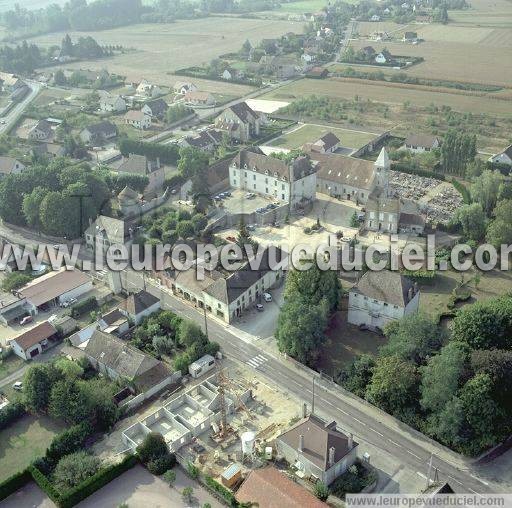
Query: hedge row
x=466, y=196
x=11, y=413
x=404, y=168
x=14, y=483
x=104, y=476
x=219, y=489
x=44, y=484
x=80, y=308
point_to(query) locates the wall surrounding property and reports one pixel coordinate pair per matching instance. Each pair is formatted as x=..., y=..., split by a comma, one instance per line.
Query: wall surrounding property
x=141, y=397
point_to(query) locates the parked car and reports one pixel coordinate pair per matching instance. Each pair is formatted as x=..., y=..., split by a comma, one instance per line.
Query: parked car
x=251, y=227
x=250, y=195
x=18, y=385
x=52, y=318
x=259, y=307
x=267, y=297
x=68, y=303
x=26, y=320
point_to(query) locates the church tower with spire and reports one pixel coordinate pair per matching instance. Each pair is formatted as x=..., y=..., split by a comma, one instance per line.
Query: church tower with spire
x=382, y=166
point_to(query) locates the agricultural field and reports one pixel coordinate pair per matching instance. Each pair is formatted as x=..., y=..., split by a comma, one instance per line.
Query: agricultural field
x=456, y=54
x=392, y=93
x=160, y=49
x=402, y=110
x=25, y=440
x=309, y=133
x=492, y=13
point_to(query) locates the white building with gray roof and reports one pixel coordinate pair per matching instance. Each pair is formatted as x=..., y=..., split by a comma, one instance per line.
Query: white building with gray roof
x=381, y=297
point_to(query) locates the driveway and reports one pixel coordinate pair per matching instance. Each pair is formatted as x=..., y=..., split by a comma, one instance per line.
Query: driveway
x=140, y=489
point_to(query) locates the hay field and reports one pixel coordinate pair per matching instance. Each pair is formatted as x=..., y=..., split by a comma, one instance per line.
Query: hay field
x=456, y=54
x=490, y=13
x=160, y=49
x=391, y=94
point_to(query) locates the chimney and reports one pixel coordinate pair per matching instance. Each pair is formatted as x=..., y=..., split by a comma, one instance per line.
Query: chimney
x=301, y=443
x=304, y=410
x=332, y=452
x=350, y=441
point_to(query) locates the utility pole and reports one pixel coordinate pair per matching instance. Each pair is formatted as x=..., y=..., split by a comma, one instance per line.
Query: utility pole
x=205, y=321
x=313, y=401
x=429, y=469
x=81, y=202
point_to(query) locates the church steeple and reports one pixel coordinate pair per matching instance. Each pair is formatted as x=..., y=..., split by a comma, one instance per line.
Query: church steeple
x=382, y=166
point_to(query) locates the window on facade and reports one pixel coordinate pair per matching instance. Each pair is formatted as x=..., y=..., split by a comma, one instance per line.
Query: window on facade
x=282, y=186
x=266, y=190
x=282, y=197
x=254, y=177
x=266, y=180
x=246, y=173
x=219, y=305
x=234, y=182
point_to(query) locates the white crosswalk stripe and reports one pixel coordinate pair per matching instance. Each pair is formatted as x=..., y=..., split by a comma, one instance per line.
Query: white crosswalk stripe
x=257, y=361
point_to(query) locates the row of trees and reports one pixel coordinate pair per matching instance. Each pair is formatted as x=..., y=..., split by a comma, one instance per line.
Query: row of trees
x=46, y=197
x=489, y=216
x=310, y=297
x=165, y=333
x=455, y=388
x=457, y=151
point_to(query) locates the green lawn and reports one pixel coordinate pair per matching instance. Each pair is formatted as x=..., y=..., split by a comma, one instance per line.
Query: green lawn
x=303, y=6
x=10, y=365
x=23, y=441
x=310, y=133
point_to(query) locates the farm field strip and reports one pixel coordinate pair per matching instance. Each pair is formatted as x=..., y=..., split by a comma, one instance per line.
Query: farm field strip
x=348, y=89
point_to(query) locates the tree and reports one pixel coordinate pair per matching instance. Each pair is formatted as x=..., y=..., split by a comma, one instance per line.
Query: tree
x=15, y=280
x=394, y=385
x=31, y=206
x=354, y=220
x=190, y=333
x=313, y=286
x=74, y=469
x=37, y=386
x=443, y=375
x=414, y=337
x=59, y=215
x=300, y=329
x=170, y=477
x=358, y=374
x=187, y=494
x=68, y=403
x=499, y=231
x=485, y=189
x=485, y=325
x=193, y=471
x=68, y=441
x=321, y=491
x=192, y=161
x=68, y=368
x=457, y=151
x=472, y=219
x=152, y=447
x=244, y=239
x=185, y=229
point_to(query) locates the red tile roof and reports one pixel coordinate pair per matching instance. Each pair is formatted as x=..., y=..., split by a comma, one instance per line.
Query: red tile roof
x=35, y=335
x=271, y=489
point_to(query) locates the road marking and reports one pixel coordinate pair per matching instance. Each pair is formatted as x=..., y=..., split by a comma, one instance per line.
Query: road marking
x=454, y=480
x=376, y=432
x=359, y=421
x=421, y=474
x=413, y=454
x=479, y=479
x=257, y=361
x=394, y=443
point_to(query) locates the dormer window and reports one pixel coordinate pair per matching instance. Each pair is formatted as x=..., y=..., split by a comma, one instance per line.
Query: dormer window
x=245, y=166
x=266, y=171
x=275, y=174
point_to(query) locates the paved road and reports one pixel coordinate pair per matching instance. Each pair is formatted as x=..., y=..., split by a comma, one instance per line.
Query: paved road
x=13, y=115
x=347, y=411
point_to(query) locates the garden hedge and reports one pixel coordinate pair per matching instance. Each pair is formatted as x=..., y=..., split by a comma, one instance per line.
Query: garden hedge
x=100, y=479
x=11, y=413
x=14, y=482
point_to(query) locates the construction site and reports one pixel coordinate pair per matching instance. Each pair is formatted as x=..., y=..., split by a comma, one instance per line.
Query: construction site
x=225, y=424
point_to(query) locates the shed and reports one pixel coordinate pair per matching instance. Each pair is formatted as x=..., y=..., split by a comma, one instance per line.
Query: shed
x=232, y=475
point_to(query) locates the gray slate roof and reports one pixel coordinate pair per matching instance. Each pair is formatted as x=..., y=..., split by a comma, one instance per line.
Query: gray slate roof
x=139, y=302
x=299, y=168
x=244, y=112
x=102, y=129
x=423, y=140
x=125, y=360
x=385, y=286
x=319, y=437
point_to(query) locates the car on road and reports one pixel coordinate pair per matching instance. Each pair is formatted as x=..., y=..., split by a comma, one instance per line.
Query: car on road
x=260, y=307
x=2, y=121
x=250, y=195
x=267, y=297
x=18, y=385
x=26, y=320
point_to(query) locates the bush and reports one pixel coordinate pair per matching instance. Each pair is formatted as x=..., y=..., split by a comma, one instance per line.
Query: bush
x=321, y=491
x=13, y=483
x=466, y=196
x=220, y=490
x=161, y=464
x=10, y=414
x=83, y=307
x=74, y=469
x=14, y=281
x=152, y=447
x=105, y=475
x=69, y=441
